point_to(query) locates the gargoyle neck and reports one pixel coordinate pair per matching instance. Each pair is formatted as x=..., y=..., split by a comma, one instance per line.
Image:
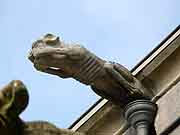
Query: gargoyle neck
x=89, y=70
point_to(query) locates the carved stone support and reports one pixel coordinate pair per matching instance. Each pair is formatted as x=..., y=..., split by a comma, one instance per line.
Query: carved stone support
x=141, y=114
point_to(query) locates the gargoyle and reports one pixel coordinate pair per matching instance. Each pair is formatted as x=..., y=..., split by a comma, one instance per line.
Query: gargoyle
x=109, y=80
x=13, y=100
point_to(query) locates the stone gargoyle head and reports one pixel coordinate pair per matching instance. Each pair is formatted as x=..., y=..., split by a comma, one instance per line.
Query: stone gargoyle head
x=13, y=100
x=51, y=55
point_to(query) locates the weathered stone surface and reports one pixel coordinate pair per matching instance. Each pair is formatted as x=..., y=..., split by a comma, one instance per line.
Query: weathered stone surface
x=13, y=100
x=109, y=80
x=169, y=109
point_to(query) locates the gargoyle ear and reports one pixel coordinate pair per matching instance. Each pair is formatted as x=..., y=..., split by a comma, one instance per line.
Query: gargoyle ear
x=51, y=39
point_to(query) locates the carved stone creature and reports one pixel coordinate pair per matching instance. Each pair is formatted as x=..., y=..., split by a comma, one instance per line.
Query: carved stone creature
x=13, y=100
x=109, y=80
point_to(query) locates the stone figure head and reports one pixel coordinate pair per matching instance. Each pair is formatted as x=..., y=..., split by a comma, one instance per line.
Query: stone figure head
x=13, y=100
x=49, y=54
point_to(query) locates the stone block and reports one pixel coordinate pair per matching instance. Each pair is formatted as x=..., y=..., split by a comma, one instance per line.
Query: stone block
x=168, y=109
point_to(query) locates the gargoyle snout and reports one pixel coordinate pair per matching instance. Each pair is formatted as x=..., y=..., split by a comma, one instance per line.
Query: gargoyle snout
x=31, y=57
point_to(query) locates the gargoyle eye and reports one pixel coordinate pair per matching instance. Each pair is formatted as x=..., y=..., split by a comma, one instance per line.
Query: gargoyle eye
x=51, y=39
x=49, y=36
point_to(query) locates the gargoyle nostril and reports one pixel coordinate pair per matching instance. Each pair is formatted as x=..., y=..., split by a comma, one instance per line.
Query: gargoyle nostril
x=31, y=57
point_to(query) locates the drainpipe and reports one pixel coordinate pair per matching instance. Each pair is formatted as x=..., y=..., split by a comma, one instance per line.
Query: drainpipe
x=141, y=114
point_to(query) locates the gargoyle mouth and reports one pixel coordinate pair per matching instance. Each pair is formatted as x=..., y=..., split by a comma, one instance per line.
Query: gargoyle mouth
x=55, y=71
x=48, y=69
x=54, y=68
